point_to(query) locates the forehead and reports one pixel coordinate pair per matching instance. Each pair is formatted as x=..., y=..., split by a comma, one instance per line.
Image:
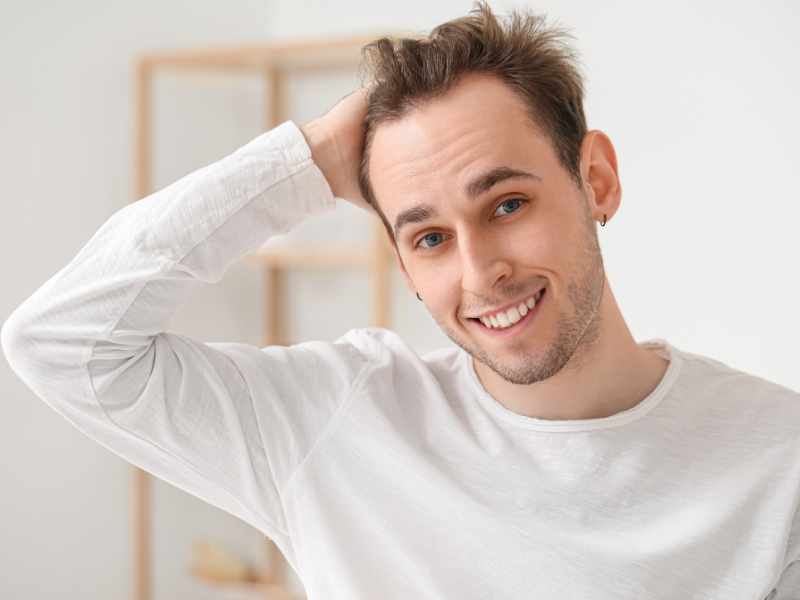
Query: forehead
x=479, y=126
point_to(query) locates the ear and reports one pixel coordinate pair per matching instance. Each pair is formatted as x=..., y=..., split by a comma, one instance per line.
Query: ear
x=599, y=172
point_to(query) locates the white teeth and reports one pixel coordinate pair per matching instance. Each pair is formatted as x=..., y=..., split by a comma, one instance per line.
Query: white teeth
x=503, y=319
x=512, y=316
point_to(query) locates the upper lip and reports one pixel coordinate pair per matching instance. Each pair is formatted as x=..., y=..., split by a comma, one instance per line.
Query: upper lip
x=494, y=311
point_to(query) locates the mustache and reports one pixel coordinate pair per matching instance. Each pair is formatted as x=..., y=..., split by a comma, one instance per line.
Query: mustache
x=508, y=292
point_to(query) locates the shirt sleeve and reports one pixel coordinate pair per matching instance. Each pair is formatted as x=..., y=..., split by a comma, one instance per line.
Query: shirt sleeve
x=226, y=422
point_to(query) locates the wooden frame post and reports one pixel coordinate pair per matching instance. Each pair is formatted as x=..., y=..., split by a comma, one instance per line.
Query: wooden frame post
x=142, y=117
x=379, y=276
x=140, y=533
x=140, y=480
x=275, y=279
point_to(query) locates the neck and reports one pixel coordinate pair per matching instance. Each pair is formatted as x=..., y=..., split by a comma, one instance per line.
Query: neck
x=605, y=376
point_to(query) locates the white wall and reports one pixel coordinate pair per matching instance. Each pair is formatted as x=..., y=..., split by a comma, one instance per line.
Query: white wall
x=65, y=73
x=699, y=97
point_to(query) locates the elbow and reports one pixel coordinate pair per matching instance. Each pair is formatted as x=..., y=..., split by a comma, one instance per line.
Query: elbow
x=26, y=350
x=13, y=341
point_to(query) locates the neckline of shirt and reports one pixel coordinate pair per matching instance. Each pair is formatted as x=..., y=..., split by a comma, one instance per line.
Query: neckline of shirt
x=661, y=347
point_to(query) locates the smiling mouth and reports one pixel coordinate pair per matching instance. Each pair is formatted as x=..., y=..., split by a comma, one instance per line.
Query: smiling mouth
x=508, y=318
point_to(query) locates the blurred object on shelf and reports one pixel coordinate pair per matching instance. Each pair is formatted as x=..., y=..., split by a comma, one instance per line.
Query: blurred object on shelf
x=219, y=569
x=210, y=562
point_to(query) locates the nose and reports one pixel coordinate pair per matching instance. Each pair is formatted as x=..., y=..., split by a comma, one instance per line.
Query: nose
x=483, y=265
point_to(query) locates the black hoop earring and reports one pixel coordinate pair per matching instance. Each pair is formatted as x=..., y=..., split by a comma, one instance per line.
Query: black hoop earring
x=603, y=224
x=418, y=298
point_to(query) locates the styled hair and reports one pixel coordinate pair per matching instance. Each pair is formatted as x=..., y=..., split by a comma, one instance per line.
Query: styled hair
x=535, y=60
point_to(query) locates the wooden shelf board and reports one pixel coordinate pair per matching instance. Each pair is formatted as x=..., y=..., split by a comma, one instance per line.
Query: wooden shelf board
x=300, y=54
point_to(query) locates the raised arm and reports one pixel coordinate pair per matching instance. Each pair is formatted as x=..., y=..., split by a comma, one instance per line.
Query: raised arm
x=226, y=422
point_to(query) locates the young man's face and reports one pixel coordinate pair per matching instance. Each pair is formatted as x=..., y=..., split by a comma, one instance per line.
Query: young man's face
x=487, y=221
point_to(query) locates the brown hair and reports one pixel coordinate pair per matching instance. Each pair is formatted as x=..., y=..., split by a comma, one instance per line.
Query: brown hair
x=534, y=60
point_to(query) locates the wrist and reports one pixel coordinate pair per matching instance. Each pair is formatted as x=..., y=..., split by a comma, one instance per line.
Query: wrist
x=323, y=151
x=317, y=137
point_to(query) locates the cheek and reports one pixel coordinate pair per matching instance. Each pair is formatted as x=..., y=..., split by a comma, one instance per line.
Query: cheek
x=438, y=282
x=549, y=241
x=535, y=245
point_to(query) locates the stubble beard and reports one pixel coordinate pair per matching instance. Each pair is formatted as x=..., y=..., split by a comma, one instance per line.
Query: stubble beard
x=575, y=333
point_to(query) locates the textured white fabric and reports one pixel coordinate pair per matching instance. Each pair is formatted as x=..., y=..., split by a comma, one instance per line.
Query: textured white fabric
x=383, y=475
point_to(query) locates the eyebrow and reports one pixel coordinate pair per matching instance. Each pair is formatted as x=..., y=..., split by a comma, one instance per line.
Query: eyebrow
x=486, y=181
x=416, y=214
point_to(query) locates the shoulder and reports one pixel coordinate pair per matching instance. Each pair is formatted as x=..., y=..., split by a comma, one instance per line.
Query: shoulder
x=755, y=403
x=378, y=343
x=382, y=346
x=713, y=374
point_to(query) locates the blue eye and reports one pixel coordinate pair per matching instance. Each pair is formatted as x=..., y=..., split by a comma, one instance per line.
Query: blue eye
x=507, y=207
x=431, y=240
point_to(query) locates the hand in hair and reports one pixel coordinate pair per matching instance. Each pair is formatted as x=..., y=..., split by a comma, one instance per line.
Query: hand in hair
x=337, y=142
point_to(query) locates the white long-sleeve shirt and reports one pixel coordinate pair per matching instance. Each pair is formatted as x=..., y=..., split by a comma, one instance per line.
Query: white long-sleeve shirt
x=385, y=476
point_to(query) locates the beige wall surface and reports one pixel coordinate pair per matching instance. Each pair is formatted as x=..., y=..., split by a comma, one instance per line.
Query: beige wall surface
x=700, y=99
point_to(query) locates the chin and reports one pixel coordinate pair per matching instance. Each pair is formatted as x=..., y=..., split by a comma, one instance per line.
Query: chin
x=521, y=362
x=526, y=366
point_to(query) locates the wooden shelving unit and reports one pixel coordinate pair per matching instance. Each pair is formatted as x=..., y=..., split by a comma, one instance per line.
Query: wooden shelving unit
x=276, y=63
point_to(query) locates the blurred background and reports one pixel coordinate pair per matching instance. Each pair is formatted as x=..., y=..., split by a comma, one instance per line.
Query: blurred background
x=700, y=98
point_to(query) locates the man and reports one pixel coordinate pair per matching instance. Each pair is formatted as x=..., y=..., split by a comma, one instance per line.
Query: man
x=555, y=458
